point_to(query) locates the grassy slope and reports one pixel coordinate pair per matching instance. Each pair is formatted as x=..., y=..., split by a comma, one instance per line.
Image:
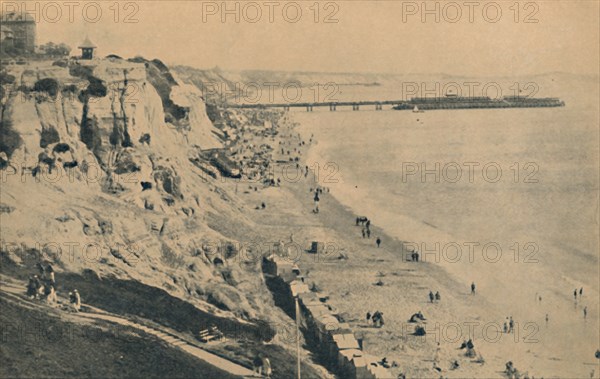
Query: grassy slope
x=63, y=349
x=125, y=297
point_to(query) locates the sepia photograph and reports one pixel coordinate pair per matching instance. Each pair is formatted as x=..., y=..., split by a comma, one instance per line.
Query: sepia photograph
x=309, y=189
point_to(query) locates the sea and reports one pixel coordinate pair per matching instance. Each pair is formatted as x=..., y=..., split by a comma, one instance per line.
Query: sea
x=506, y=198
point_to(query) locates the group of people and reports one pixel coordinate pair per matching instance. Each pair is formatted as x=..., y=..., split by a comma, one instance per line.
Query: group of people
x=509, y=325
x=437, y=297
x=417, y=317
x=376, y=318
x=575, y=292
x=470, y=348
x=366, y=227
x=262, y=366
x=316, y=198
x=510, y=371
x=42, y=286
x=385, y=363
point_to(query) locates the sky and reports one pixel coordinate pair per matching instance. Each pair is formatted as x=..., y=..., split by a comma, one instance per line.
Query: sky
x=474, y=38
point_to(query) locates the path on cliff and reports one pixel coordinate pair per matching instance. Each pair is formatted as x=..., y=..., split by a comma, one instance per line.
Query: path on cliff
x=15, y=292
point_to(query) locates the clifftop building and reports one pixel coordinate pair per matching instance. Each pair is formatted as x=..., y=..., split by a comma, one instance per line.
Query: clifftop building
x=18, y=30
x=87, y=49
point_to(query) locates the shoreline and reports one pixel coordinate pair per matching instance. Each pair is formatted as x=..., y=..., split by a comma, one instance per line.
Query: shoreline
x=404, y=292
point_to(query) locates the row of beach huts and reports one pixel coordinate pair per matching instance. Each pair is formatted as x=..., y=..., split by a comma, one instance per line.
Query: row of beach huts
x=333, y=340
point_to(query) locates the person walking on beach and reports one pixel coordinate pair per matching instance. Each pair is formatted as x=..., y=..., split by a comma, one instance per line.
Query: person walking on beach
x=511, y=325
x=547, y=319
x=368, y=233
x=377, y=319
x=364, y=234
x=378, y=242
x=585, y=312
x=436, y=357
x=505, y=327
x=431, y=297
x=575, y=294
x=438, y=297
x=581, y=292
x=472, y=288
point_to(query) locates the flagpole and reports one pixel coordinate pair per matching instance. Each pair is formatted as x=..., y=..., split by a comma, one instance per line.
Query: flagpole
x=298, y=335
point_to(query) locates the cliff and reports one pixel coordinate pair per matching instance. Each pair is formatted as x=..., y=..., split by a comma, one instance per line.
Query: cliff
x=97, y=176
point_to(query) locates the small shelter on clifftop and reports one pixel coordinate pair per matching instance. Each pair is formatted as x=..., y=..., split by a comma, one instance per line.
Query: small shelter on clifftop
x=87, y=49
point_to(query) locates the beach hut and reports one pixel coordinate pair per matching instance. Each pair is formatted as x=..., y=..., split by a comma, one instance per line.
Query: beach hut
x=297, y=287
x=317, y=247
x=342, y=342
x=325, y=324
x=278, y=266
x=313, y=312
x=317, y=310
x=345, y=341
x=269, y=266
x=362, y=368
x=308, y=298
x=352, y=364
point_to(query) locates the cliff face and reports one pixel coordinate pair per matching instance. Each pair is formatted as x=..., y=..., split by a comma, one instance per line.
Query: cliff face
x=97, y=174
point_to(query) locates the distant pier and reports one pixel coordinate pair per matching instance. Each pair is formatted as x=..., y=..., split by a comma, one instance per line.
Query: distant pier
x=419, y=103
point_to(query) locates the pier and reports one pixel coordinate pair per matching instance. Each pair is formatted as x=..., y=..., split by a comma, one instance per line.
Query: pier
x=333, y=106
x=420, y=103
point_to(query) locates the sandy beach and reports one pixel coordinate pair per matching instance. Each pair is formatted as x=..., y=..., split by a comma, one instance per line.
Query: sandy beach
x=350, y=267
